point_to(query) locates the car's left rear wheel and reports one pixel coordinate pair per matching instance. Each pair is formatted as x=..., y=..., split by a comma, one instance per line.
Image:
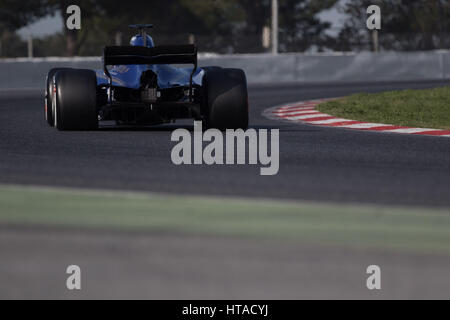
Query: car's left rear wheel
x=49, y=93
x=75, y=100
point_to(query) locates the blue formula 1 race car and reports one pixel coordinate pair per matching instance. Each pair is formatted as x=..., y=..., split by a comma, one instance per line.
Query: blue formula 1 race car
x=140, y=85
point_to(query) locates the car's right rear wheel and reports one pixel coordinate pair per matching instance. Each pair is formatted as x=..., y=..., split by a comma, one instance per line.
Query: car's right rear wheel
x=225, y=104
x=75, y=102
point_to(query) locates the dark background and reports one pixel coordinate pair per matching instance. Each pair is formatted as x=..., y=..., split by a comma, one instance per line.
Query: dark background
x=229, y=26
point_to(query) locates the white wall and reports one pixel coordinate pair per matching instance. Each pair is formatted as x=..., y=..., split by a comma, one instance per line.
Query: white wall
x=265, y=68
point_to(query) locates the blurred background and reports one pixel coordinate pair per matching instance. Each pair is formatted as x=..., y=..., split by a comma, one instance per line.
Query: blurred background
x=112, y=201
x=223, y=26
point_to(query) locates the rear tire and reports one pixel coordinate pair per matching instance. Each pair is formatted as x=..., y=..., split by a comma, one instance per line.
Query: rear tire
x=49, y=96
x=212, y=68
x=226, y=99
x=75, y=103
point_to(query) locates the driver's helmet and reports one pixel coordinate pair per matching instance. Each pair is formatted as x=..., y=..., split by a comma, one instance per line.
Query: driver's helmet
x=138, y=40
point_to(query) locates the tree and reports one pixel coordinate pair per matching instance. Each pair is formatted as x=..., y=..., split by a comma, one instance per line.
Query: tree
x=300, y=28
x=223, y=26
x=257, y=14
x=13, y=16
x=90, y=9
x=406, y=25
x=17, y=14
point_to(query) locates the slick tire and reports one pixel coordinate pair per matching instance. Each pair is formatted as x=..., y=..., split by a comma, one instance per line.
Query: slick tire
x=75, y=102
x=225, y=104
x=49, y=117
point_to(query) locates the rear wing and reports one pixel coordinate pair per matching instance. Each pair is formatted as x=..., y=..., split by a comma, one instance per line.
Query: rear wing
x=125, y=55
x=128, y=55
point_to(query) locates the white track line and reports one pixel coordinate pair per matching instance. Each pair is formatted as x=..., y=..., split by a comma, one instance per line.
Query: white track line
x=305, y=112
x=295, y=112
x=410, y=130
x=363, y=125
x=309, y=116
x=329, y=121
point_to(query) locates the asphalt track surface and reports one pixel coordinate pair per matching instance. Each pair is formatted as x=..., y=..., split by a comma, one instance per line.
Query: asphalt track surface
x=316, y=163
x=320, y=164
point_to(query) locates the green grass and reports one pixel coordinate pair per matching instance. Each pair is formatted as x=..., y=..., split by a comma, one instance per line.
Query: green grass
x=428, y=108
x=418, y=230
